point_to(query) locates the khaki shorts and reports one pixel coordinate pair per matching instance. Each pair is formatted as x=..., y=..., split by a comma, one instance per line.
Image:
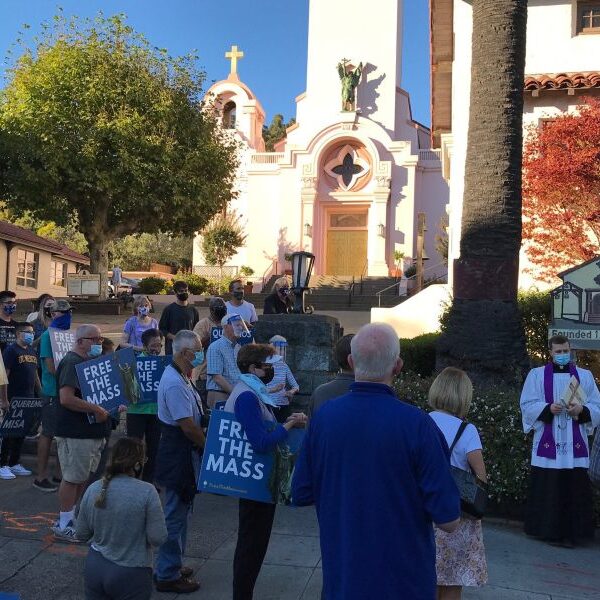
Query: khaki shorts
x=79, y=457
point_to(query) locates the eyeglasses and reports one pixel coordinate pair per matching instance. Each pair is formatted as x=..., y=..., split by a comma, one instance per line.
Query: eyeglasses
x=98, y=340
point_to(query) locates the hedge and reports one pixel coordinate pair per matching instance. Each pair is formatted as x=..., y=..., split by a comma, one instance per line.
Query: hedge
x=152, y=285
x=418, y=354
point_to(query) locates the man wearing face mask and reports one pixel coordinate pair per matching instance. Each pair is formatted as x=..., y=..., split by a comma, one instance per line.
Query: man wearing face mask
x=8, y=306
x=178, y=460
x=60, y=314
x=20, y=361
x=252, y=405
x=238, y=306
x=177, y=316
x=559, y=508
x=78, y=441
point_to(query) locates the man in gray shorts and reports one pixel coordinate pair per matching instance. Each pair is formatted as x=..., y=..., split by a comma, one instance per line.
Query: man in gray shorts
x=79, y=442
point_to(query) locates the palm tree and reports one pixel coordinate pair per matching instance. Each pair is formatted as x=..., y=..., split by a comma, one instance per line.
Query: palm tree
x=483, y=332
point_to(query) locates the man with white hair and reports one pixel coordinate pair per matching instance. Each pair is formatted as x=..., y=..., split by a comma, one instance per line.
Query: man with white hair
x=221, y=364
x=379, y=476
x=178, y=459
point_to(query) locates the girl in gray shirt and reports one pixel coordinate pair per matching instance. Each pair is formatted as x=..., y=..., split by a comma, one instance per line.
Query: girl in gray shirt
x=122, y=518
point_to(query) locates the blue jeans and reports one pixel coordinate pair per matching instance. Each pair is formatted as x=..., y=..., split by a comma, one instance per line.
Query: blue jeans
x=170, y=554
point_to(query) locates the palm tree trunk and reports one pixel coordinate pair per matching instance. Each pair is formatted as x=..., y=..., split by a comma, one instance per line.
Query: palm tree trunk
x=483, y=332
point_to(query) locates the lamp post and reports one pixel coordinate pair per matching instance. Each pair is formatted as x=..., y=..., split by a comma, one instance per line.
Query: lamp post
x=302, y=266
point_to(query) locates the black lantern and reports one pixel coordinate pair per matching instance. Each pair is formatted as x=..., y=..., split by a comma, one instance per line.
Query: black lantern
x=302, y=266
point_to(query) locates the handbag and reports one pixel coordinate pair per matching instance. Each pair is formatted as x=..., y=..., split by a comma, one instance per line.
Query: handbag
x=473, y=492
x=594, y=469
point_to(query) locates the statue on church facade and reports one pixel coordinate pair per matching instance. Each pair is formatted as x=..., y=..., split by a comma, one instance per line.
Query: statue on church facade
x=349, y=79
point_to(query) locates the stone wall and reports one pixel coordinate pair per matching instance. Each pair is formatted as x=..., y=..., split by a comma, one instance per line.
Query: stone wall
x=311, y=342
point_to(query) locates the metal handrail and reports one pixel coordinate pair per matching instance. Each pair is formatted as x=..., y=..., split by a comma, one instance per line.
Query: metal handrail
x=362, y=276
x=272, y=267
x=389, y=287
x=351, y=291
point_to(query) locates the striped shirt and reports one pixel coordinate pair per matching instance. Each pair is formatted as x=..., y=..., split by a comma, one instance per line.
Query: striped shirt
x=282, y=374
x=221, y=359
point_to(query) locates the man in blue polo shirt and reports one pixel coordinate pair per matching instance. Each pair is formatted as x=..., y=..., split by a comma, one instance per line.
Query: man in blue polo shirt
x=378, y=473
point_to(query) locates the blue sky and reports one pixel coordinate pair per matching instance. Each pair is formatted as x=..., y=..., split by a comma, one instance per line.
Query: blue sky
x=272, y=33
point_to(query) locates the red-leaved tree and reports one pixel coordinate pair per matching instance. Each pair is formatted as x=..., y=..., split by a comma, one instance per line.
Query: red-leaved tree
x=561, y=191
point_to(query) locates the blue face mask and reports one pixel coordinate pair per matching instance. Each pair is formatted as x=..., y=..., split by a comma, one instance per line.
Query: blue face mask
x=95, y=350
x=562, y=359
x=198, y=358
x=143, y=311
x=27, y=338
x=63, y=321
x=9, y=309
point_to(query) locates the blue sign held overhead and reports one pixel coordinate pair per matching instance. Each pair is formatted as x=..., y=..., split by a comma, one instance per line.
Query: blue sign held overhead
x=231, y=467
x=149, y=371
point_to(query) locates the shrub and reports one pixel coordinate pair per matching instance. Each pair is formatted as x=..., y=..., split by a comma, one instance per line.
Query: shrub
x=419, y=354
x=152, y=285
x=196, y=283
x=219, y=287
x=536, y=312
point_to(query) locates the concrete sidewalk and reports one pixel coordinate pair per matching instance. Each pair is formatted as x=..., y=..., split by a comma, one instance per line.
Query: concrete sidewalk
x=38, y=568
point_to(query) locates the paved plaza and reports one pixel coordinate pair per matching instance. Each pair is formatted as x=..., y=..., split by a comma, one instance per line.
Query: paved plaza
x=38, y=568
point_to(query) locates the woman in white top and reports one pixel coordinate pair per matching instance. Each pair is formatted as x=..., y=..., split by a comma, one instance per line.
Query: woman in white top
x=460, y=555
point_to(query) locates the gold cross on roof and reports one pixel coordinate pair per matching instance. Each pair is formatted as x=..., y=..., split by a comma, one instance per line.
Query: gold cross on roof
x=233, y=55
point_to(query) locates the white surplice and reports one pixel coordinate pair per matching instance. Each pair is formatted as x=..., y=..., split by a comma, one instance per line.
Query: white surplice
x=533, y=403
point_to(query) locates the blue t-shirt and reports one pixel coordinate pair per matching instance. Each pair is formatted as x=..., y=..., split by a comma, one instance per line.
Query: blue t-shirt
x=378, y=472
x=134, y=329
x=22, y=364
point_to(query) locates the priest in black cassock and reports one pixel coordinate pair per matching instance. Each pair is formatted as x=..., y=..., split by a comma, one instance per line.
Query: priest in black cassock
x=561, y=417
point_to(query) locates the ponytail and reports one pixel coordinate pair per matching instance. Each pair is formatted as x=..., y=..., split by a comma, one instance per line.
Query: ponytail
x=101, y=499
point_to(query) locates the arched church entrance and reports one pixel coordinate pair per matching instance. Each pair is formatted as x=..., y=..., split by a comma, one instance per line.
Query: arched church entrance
x=346, y=240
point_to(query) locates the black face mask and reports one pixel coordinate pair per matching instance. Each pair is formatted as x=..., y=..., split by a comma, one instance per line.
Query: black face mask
x=218, y=313
x=239, y=295
x=269, y=374
x=183, y=296
x=48, y=312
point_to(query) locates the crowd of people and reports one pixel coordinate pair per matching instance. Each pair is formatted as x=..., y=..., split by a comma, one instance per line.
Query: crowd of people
x=379, y=471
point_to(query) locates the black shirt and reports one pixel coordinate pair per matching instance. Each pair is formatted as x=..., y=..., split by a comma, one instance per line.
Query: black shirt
x=175, y=318
x=70, y=423
x=22, y=365
x=7, y=333
x=274, y=305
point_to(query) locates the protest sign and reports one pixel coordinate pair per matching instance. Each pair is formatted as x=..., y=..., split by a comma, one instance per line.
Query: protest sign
x=149, y=371
x=217, y=332
x=231, y=467
x=110, y=381
x=22, y=417
x=61, y=341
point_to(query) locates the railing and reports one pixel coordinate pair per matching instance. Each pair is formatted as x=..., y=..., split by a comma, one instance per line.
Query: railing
x=351, y=291
x=266, y=158
x=412, y=277
x=269, y=272
x=363, y=275
x=213, y=272
x=430, y=155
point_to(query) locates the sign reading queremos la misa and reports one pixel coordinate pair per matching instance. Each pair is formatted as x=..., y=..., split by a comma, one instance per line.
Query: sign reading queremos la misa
x=576, y=306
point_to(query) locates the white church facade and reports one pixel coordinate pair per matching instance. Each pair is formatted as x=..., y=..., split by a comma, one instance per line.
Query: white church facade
x=347, y=185
x=562, y=67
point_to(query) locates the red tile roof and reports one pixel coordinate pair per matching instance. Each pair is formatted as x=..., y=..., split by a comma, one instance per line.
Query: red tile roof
x=26, y=237
x=563, y=81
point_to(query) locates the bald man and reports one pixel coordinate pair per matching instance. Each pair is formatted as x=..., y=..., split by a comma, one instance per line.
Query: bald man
x=379, y=475
x=79, y=442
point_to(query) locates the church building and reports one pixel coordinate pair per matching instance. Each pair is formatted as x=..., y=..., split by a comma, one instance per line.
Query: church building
x=562, y=68
x=355, y=171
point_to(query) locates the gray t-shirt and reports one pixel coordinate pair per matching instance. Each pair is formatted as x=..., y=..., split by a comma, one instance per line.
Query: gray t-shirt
x=332, y=389
x=177, y=398
x=130, y=524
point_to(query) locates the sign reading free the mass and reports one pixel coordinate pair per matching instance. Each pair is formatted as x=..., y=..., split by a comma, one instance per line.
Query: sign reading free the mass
x=61, y=342
x=110, y=380
x=231, y=467
x=576, y=306
x=149, y=371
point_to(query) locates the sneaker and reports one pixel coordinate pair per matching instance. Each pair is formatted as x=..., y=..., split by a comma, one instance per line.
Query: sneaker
x=178, y=586
x=56, y=480
x=67, y=534
x=20, y=470
x=44, y=485
x=6, y=473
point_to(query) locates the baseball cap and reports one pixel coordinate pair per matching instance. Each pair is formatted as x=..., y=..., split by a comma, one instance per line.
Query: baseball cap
x=61, y=306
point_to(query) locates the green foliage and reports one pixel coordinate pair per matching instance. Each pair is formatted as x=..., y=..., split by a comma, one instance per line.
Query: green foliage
x=137, y=252
x=98, y=123
x=246, y=271
x=222, y=238
x=441, y=239
x=216, y=287
x=152, y=285
x=418, y=354
x=536, y=312
x=196, y=283
x=275, y=132
x=411, y=271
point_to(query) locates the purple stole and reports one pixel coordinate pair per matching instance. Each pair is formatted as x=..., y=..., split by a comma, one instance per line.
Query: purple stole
x=547, y=446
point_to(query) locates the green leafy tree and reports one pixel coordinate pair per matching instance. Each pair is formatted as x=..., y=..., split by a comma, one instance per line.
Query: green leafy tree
x=96, y=122
x=275, y=132
x=136, y=252
x=221, y=239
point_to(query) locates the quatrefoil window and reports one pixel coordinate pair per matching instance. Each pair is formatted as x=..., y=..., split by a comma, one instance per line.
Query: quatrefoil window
x=347, y=167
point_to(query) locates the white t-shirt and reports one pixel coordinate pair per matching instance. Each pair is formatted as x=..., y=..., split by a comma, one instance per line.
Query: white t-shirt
x=468, y=441
x=246, y=310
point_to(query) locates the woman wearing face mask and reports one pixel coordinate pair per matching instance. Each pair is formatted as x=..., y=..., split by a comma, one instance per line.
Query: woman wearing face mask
x=122, y=518
x=137, y=324
x=278, y=302
x=253, y=406
x=41, y=318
